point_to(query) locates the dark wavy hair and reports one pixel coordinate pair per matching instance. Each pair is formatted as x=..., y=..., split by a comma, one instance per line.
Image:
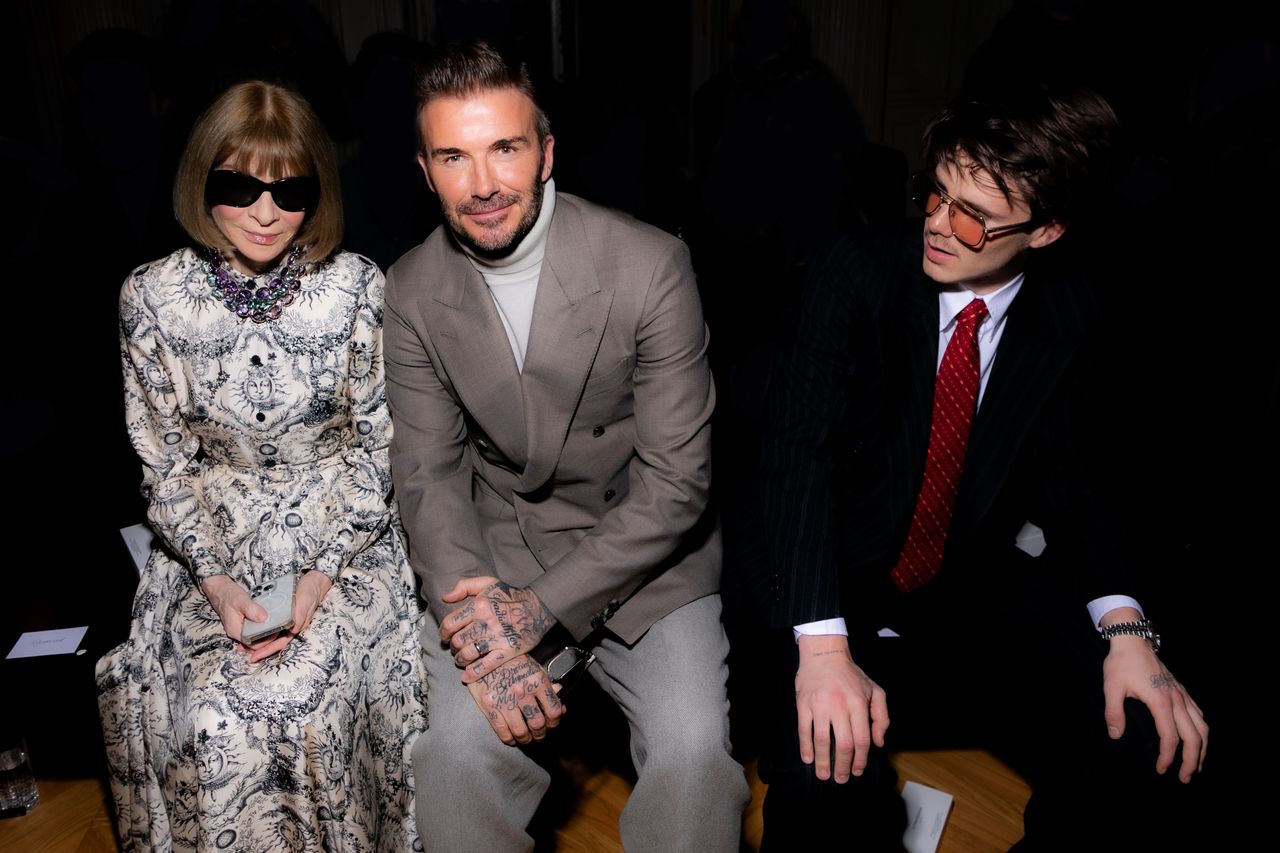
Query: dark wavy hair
x=1054, y=149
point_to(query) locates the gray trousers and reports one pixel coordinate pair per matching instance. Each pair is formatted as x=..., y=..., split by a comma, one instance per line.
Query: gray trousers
x=476, y=793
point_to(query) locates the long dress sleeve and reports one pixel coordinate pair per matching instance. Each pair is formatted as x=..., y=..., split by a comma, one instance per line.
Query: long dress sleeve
x=169, y=451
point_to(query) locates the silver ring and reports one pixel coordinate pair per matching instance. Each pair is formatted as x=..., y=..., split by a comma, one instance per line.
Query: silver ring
x=476, y=646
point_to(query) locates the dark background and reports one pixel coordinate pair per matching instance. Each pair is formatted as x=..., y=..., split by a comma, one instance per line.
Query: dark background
x=755, y=131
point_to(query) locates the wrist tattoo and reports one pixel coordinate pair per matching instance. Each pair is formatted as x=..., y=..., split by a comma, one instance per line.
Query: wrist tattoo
x=824, y=654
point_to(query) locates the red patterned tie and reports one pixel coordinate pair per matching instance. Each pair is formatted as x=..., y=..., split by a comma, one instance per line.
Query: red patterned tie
x=955, y=398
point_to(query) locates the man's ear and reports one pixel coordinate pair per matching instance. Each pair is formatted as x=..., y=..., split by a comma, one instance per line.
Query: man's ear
x=548, y=156
x=426, y=173
x=1046, y=234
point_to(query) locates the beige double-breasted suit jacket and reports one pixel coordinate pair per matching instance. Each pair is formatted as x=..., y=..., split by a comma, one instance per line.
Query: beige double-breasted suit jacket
x=584, y=477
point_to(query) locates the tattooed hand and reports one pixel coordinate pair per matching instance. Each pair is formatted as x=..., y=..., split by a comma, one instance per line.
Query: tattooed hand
x=495, y=624
x=1132, y=671
x=838, y=706
x=519, y=701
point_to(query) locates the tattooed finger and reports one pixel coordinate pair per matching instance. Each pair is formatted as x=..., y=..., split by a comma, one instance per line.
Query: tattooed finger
x=486, y=664
x=467, y=636
x=554, y=708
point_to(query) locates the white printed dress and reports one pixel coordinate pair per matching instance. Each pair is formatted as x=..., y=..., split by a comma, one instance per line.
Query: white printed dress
x=264, y=450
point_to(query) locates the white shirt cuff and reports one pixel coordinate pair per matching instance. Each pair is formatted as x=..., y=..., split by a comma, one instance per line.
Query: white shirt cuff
x=1100, y=607
x=822, y=626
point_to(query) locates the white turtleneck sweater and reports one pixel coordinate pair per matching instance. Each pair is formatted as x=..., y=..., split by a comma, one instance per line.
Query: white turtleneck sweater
x=513, y=280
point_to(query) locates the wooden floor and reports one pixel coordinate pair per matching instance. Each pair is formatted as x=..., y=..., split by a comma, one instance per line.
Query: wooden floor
x=72, y=815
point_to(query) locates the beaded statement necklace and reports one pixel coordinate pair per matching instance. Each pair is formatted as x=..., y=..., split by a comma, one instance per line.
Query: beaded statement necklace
x=250, y=300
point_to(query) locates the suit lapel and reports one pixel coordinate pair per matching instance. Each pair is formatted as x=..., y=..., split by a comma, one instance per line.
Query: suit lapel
x=1033, y=352
x=475, y=351
x=922, y=362
x=569, y=316
x=916, y=366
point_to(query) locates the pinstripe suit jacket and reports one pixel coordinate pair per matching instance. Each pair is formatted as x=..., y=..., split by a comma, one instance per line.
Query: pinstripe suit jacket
x=849, y=415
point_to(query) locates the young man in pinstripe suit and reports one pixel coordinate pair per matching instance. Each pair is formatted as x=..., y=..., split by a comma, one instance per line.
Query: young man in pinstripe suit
x=937, y=397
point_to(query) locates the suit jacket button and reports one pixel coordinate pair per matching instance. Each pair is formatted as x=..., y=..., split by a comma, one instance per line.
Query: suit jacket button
x=598, y=431
x=609, y=494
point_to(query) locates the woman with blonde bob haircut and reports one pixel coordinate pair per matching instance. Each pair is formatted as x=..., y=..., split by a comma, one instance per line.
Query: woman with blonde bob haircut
x=272, y=683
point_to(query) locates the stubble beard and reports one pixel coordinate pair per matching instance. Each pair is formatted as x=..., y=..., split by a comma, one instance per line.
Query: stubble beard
x=499, y=247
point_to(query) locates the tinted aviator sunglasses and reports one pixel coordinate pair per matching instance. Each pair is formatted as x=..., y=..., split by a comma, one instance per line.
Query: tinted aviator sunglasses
x=967, y=225
x=235, y=189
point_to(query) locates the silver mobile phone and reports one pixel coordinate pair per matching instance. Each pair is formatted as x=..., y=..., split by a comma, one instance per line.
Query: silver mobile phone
x=276, y=597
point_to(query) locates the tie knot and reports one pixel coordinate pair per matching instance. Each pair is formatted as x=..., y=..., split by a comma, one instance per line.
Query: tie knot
x=973, y=313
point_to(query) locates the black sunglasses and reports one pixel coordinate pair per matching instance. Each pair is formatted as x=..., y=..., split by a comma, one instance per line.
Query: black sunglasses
x=235, y=189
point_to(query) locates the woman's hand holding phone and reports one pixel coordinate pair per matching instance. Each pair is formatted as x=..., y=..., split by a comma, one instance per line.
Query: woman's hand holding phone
x=236, y=606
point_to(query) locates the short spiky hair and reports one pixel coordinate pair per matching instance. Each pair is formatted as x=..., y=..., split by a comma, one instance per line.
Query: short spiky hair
x=1051, y=148
x=260, y=126
x=460, y=70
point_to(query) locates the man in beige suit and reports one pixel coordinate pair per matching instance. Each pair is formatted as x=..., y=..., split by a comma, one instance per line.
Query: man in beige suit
x=549, y=385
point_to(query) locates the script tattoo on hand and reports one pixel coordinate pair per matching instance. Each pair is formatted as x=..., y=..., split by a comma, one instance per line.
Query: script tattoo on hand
x=1164, y=681
x=521, y=617
x=516, y=685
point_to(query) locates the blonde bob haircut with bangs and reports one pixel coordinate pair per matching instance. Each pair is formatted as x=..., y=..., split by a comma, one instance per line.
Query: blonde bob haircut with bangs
x=260, y=128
